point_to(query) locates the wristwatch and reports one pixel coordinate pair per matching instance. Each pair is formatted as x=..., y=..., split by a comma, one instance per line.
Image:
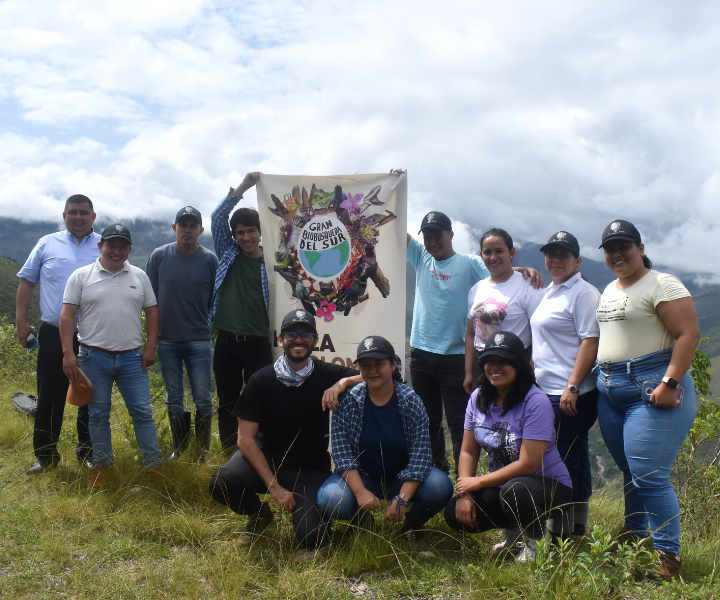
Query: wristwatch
x=572, y=388
x=670, y=382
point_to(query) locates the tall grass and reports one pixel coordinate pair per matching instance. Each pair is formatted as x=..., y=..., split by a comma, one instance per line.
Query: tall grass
x=139, y=536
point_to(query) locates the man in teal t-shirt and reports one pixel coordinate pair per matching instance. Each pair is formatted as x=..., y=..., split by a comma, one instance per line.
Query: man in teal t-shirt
x=443, y=279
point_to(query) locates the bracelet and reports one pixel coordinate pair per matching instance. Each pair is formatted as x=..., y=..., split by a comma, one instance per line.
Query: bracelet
x=460, y=494
x=402, y=502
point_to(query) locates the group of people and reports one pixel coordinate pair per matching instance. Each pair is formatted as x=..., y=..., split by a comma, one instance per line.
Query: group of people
x=519, y=370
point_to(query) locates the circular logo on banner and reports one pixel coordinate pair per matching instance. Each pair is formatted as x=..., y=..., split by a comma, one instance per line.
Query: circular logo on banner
x=324, y=247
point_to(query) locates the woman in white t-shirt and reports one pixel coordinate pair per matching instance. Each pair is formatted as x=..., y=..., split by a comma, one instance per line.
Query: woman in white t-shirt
x=505, y=301
x=565, y=342
x=648, y=334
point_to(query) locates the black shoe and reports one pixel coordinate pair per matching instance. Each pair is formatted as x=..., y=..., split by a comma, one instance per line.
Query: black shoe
x=43, y=464
x=180, y=428
x=203, y=428
x=256, y=524
x=85, y=461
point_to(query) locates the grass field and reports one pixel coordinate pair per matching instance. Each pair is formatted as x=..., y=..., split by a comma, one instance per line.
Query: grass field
x=138, y=536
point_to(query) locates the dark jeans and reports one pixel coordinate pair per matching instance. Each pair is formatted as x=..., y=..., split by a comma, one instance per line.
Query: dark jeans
x=572, y=444
x=236, y=485
x=52, y=386
x=438, y=380
x=523, y=501
x=235, y=362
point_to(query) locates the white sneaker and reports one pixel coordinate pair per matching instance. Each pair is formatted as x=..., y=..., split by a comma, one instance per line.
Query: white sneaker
x=527, y=554
x=513, y=540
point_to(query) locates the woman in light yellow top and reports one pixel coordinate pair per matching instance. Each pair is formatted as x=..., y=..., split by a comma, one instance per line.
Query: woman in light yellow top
x=646, y=405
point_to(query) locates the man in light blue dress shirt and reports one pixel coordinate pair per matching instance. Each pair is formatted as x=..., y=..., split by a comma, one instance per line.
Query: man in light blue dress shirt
x=50, y=264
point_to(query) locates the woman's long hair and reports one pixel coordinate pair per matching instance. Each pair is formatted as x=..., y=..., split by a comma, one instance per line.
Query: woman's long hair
x=487, y=393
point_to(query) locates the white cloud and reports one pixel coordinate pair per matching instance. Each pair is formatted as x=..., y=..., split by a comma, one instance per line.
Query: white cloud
x=527, y=116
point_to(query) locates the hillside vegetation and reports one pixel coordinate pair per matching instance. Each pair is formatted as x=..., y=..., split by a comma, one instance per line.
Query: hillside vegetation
x=138, y=536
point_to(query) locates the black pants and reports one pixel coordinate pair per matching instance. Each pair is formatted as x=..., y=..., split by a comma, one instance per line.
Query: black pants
x=234, y=363
x=438, y=380
x=52, y=386
x=523, y=501
x=236, y=485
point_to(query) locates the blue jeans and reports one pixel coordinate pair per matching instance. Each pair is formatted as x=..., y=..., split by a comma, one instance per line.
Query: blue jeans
x=102, y=369
x=198, y=362
x=644, y=442
x=336, y=500
x=574, y=449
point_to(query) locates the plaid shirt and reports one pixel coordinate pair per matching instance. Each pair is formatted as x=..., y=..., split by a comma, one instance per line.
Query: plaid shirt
x=347, y=424
x=227, y=249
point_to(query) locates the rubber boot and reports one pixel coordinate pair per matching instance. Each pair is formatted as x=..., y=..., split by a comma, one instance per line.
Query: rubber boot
x=180, y=428
x=203, y=427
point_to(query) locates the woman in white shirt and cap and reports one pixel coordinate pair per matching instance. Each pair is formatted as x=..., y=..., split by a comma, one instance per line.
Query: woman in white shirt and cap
x=565, y=341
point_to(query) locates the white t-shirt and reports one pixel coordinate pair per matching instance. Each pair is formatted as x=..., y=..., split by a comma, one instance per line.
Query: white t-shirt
x=629, y=323
x=504, y=306
x=109, y=305
x=564, y=318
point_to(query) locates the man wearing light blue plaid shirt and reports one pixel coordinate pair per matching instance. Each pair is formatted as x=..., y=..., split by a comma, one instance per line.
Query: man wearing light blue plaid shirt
x=240, y=304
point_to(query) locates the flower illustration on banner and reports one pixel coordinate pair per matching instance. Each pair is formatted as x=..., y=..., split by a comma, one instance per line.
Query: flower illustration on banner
x=326, y=310
x=353, y=204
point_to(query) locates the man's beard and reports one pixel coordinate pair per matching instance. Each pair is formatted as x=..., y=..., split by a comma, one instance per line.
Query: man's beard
x=303, y=358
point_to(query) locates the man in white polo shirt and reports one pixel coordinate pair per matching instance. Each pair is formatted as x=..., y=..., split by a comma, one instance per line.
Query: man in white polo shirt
x=110, y=295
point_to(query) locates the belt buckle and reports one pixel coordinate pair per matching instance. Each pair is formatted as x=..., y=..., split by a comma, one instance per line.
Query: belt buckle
x=240, y=338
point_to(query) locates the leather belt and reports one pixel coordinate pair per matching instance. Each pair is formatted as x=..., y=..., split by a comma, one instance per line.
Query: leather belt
x=240, y=338
x=108, y=351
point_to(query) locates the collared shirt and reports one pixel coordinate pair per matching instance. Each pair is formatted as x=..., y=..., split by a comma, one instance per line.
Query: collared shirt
x=110, y=305
x=564, y=318
x=226, y=249
x=51, y=262
x=347, y=423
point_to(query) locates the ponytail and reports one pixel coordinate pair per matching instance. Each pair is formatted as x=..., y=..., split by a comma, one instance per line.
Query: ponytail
x=647, y=262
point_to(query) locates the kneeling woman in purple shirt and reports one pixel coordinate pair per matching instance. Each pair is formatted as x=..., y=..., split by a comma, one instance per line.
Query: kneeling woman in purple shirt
x=381, y=447
x=512, y=419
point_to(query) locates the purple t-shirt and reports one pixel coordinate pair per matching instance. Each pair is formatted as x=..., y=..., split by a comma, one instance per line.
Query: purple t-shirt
x=501, y=435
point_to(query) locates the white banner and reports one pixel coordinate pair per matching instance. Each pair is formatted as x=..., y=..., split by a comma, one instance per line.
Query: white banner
x=336, y=246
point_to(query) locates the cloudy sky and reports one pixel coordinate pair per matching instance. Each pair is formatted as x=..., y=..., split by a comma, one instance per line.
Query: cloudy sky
x=531, y=116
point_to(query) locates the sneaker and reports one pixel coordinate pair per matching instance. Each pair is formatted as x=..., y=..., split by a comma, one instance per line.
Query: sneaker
x=527, y=554
x=256, y=523
x=98, y=476
x=670, y=567
x=512, y=541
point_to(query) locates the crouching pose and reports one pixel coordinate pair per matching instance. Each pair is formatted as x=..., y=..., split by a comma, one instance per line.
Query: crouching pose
x=381, y=447
x=510, y=418
x=281, y=405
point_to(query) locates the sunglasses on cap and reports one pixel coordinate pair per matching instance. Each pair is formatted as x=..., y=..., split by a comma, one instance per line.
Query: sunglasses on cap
x=305, y=336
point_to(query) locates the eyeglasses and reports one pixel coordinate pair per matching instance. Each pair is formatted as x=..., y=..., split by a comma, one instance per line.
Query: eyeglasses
x=305, y=336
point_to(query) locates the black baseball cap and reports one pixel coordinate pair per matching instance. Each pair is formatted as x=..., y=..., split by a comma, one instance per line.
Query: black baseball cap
x=116, y=231
x=620, y=230
x=504, y=344
x=301, y=317
x=565, y=239
x=436, y=220
x=191, y=212
x=375, y=346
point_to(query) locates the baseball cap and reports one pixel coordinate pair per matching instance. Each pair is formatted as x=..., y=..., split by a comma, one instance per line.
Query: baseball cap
x=375, y=346
x=295, y=317
x=504, y=344
x=620, y=230
x=191, y=212
x=436, y=220
x=564, y=239
x=80, y=390
x=116, y=231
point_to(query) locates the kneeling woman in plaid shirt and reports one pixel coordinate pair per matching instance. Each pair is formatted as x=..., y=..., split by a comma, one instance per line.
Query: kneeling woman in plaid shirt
x=381, y=447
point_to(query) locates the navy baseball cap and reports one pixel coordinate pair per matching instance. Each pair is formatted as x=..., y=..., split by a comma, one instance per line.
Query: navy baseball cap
x=375, y=346
x=504, y=344
x=564, y=239
x=620, y=230
x=298, y=317
x=190, y=212
x=116, y=231
x=436, y=220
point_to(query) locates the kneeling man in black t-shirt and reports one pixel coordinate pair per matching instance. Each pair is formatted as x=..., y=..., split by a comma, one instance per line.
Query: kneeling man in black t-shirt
x=281, y=406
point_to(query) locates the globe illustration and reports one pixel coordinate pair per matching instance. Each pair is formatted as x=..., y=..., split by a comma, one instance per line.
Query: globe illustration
x=326, y=264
